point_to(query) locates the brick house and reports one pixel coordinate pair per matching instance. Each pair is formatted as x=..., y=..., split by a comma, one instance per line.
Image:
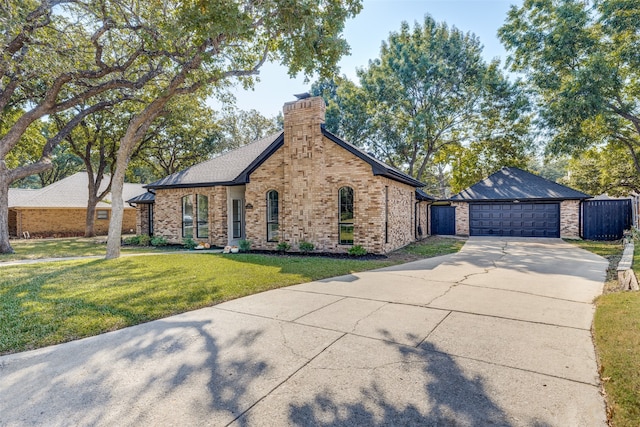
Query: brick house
x=302, y=184
x=60, y=209
x=514, y=202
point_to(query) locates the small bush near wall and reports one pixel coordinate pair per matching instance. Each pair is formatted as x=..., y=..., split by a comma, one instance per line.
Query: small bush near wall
x=357, y=250
x=159, y=241
x=283, y=247
x=189, y=243
x=245, y=245
x=306, y=247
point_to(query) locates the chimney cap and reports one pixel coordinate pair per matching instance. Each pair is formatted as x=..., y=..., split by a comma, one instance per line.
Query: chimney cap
x=304, y=95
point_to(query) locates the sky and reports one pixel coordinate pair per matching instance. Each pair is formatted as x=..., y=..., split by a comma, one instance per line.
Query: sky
x=365, y=34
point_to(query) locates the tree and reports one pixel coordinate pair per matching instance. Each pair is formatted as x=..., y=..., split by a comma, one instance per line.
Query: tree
x=186, y=133
x=422, y=93
x=241, y=127
x=604, y=170
x=582, y=60
x=432, y=107
x=208, y=43
x=57, y=55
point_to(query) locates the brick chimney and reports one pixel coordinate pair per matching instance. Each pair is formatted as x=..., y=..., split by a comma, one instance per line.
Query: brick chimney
x=304, y=169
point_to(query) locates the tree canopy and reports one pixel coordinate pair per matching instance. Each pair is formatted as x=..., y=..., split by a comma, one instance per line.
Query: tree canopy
x=581, y=58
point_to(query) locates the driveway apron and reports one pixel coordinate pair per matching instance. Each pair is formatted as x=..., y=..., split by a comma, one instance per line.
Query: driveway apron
x=497, y=334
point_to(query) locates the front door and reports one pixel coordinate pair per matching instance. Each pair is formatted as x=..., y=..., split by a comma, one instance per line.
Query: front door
x=236, y=215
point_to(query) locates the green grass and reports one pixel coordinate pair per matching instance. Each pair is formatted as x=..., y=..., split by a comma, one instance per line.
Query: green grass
x=49, y=303
x=433, y=246
x=616, y=331
x=61, y=248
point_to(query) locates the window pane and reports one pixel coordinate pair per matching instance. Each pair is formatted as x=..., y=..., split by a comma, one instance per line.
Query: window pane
x=187, y=216
x=345, y=216
x=273, y=232
x=203, y=216
x=236, y=217
x=346, y=234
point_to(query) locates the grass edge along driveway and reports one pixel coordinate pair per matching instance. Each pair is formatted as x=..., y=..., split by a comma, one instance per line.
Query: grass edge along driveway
x=50, y=303
x=616, y=334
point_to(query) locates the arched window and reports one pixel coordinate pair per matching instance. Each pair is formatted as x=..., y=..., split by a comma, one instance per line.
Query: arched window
x=345, y=215
x=187, y=216
x=273, y=225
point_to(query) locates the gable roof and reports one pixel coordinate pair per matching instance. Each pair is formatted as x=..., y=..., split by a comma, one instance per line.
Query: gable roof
x=143, y=198
x=70, y=192
x=377, y=167
x=230, y=168
x=234, y=167
x=517, y=184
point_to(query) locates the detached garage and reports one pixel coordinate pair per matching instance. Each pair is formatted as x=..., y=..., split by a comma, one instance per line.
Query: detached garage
x=513, y=202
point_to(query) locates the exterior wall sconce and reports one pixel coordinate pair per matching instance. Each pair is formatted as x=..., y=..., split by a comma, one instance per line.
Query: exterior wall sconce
x=248, y=206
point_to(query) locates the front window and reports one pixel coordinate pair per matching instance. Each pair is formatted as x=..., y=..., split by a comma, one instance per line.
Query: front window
x=346, y=219
x=236, y=217
x=187, y=216
x=102, y=214
x=273, y=225
x=203, y=216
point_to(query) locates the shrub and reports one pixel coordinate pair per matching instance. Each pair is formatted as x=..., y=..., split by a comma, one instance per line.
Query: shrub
x=144, y=240
x=306, y=247
x=158, y=241
x=283, y=247
x=245, y=245
x=189, y=243
x=133, y=240
x=357, y=250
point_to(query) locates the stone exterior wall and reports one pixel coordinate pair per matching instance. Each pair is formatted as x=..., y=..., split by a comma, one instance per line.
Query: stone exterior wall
x=423, y=219
x=462, y=218
x=167, y=221
x=570, y=219
x=66, y=222
x=308, y=172
x=142, y=219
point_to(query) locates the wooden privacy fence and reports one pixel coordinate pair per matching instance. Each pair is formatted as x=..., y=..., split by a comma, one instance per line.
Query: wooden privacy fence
x=605, y=219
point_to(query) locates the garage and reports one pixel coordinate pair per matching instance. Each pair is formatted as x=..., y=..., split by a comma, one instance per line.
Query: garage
x=514, y=219
x=514, y=202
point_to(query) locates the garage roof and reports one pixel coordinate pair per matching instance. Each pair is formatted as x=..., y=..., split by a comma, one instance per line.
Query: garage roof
x=517, y=184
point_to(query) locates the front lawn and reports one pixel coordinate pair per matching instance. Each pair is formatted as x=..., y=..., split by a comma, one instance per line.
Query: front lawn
x=50, y=303
x=62, y=248
x=616, y=330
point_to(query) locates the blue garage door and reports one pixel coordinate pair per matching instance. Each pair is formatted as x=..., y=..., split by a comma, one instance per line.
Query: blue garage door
x=514, y=219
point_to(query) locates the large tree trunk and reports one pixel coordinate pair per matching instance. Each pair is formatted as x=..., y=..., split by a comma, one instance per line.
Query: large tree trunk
x=117, y=207
x=89, y=230
x=5, y=246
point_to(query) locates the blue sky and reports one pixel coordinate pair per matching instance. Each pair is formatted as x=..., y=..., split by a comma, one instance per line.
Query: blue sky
x=365, y=34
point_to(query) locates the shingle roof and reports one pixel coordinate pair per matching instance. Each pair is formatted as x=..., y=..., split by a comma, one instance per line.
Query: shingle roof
x=226, y=169
x=234, y=167
x=147, y=197
x=421, y=195
x=70, y=192
x=517, y=184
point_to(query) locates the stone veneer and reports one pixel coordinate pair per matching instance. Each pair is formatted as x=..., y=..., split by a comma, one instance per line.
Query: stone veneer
x=308, y=172
x=168, y=214
x=570, y=219
x=462, y=218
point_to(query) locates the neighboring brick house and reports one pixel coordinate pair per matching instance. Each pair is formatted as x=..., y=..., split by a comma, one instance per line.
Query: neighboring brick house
x=513, y=202
x=302, y=184
x=60, y=209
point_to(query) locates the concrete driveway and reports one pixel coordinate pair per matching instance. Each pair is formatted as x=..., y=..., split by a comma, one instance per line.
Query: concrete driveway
x=498, y=334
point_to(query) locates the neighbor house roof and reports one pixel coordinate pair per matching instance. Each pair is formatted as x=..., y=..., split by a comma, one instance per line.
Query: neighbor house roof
x=235, y=167
x=70, y=192
x=517, y=184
